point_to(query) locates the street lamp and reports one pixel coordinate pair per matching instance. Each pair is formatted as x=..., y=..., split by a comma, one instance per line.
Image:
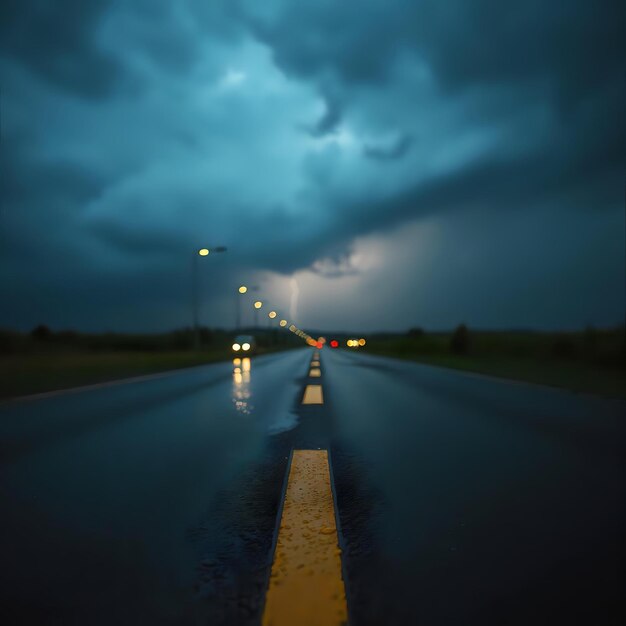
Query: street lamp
x=204, y=252
x=271, y=315
x=243, y=289
x=257, y=305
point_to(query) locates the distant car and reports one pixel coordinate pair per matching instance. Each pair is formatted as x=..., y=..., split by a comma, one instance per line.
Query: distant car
x=244, y=344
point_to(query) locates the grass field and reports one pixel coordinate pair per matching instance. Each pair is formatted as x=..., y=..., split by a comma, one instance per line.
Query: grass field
x=34, y=373
x=576, y=377
x=585, y=362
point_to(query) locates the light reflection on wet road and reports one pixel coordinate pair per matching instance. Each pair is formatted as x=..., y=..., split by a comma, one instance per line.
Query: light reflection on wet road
x=483, y=502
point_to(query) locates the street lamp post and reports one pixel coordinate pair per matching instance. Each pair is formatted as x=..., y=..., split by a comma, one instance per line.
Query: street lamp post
x=272, y=316
x=194, y=276
x=242, y=291
x=257, y=305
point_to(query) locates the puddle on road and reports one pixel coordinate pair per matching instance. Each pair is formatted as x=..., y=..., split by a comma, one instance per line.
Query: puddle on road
x=241, y=386
x=277, y=416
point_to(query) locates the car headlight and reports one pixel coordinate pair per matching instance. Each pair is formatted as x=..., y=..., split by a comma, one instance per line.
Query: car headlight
x=246, y=346
x=236, y=347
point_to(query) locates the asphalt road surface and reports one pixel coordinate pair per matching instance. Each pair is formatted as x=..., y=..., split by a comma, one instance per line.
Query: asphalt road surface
x=461, y=499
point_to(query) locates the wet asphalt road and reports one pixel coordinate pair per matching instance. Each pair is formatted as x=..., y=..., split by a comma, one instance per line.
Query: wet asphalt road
x=462, y=499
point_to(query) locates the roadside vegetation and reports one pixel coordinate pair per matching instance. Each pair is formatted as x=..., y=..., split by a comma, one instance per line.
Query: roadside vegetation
x=590, y=361
x=44, y=360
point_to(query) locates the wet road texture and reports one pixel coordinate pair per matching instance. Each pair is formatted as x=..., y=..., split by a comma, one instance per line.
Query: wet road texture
x=461, y=499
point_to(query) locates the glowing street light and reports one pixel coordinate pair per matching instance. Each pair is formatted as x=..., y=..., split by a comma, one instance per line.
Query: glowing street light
x=271, y=315
x=243, y=289
x=194, y=286
x=283, y=323
x=258, y=304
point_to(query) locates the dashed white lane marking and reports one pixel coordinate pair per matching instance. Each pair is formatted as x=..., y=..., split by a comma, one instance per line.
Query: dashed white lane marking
x=313, y=395
x=315, y=372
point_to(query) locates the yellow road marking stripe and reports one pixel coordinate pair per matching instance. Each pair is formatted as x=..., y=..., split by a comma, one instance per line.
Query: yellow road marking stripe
x=315, y=372
x=313, y=395
x=306, y=587
x=315, y=363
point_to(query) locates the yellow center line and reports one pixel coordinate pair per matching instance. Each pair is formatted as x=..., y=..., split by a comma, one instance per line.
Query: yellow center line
x=313, y=395
x=315, y=363
x=306, y=587
x=315, y=372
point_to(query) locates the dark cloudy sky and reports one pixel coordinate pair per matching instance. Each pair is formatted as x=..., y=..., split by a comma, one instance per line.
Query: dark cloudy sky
x=371, y=164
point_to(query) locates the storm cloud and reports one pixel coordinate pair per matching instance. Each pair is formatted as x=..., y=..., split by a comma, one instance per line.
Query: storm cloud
x=293, y=133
